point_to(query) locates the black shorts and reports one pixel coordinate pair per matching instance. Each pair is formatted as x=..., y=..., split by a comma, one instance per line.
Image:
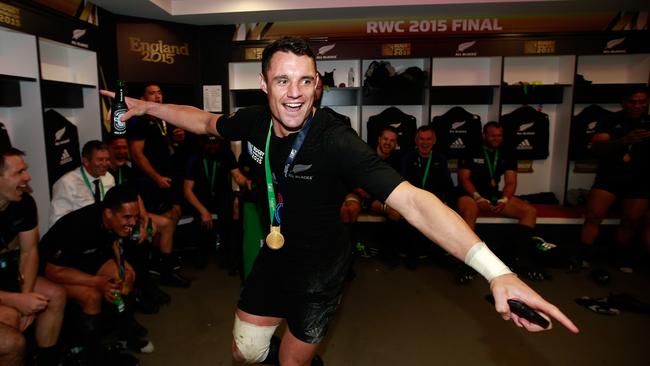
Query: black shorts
x=308, y=313
x=9, y=271
x=158, y=200
x=623, y=187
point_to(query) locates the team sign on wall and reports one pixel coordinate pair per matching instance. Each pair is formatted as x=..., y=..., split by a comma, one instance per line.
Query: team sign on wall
x=433, y=26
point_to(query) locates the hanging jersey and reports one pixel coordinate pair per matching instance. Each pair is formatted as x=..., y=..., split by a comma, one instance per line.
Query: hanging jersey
x=583, y=128
x=457, y=132
x=526, y=133
x=61, y=144
x=392, y=116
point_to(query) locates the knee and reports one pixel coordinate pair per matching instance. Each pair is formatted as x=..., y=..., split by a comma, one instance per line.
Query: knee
x=12, y=343
x=57, y=297
x=251, y=343
x=530, y=211
x=90, y=300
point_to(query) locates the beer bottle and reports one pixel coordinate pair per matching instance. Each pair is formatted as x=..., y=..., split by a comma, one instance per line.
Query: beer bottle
x=118, y=127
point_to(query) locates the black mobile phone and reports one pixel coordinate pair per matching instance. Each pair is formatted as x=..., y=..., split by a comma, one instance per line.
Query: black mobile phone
x=522, y=310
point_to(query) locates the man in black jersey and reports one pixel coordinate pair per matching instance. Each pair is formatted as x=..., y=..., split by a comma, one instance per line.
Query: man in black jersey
x=25, y=297
x=622, y=145
x=479, y=176
x=301, y=283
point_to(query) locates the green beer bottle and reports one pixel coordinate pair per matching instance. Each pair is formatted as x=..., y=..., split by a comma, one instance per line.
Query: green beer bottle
x=118, y=128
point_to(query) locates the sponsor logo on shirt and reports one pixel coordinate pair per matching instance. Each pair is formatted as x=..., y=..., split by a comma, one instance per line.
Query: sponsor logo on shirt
x=591, y=126
x=65, y=157
x=526, y=126
x=58, y=136
x=524, y=145
x=456, y=125
x=256, y=154
x=479, y=161
x=299, y=168
x=89, y=251
x=458, y=144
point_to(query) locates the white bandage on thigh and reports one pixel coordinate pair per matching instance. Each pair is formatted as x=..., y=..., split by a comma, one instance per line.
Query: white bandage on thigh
x=252, y=340
x=481, y=258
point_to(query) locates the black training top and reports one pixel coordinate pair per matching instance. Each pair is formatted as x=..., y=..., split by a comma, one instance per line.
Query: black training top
x=480, y=174
x=438, y=179
x=201, y=168
x=156, y=146
x=17, y=217
x=77, y=238
x=332, y=161
x=638, y=164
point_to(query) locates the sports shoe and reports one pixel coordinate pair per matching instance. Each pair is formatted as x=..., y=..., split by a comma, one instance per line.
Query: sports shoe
x=138, y=345
x=542, y=245
x=175, y=280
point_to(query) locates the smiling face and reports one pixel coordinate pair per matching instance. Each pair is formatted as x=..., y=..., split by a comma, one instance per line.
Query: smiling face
x=493, y=137
x=424, y=141
x=290, y=85
x=387, y=143
x=122, y=220
x=98, y=163
x=13, y=179
x=119, y=152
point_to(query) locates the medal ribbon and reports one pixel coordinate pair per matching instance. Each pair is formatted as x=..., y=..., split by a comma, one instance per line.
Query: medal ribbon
x=87, y=182
x=426, y=170
x=210, y=176
x=274, y=208
x=491, y=165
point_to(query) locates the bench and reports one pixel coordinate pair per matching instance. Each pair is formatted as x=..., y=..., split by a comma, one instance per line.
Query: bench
x=547, y=214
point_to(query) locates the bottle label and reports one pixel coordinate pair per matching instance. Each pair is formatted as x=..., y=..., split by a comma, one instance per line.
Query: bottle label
x=119, y=127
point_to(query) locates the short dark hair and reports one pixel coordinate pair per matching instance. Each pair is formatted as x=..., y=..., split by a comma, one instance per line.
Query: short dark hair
x=119, y=195
x=492, y=124
x=389, y=128
x=148, y=84
x=425, y=128
x=90, y=146
x=297, y=46
x=8, y=151
x=634, y=89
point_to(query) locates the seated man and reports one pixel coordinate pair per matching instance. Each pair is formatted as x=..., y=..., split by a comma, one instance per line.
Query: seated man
x=24, y=296
x=622, y=145
x=84, y=254
x=161, y=228
x=84, y=186
x=207, y=188
x=359, y=200
x=478, y=179
x=427, y=169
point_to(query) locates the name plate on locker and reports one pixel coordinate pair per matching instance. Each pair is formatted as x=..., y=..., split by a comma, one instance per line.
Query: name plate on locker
x=253, y=53
x=539, y=47
x=396, y=49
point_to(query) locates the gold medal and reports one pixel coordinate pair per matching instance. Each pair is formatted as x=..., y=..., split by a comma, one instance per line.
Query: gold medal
x=493, y=183
x=275, y=239
x=627, y=157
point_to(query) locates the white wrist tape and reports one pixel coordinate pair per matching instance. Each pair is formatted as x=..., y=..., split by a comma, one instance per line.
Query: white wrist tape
x=503, y=200
x=481, y=258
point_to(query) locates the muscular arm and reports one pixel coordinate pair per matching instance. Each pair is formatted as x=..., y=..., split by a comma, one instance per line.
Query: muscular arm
x=72, y=276
x=28, y=258
x=510, y=180
x=186, y=117
x=465, y=182
x=188, y=191
x=433, y=218
x=240, y=178
x=442, y=225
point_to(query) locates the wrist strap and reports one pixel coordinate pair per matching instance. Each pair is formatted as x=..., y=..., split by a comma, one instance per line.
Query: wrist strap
x=481, y=258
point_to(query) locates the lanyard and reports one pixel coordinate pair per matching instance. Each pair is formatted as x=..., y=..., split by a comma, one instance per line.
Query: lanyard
x=426, y=170
x=119, y=254
x=162, y=126
x=274, y=208
x=119, y=176
x=491, y=165
x=210, y=177
x=87, y=182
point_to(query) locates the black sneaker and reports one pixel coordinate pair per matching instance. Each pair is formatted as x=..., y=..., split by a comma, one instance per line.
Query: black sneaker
x=175, y=280
x=138, y=345
x=144, y=305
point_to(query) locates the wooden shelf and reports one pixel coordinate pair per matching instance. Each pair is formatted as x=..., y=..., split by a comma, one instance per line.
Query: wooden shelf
x=452, y=95
x=601, y=93
x=533, y=94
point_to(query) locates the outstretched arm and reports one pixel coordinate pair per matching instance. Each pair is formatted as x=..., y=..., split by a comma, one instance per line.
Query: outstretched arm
x=186, y=117
x=442, y=225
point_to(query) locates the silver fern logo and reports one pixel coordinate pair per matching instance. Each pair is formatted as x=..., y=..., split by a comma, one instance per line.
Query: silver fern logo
x=325, y=49
x=463, y=47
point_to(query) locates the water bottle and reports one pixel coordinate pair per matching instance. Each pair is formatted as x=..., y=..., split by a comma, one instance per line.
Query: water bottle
x=351, y=77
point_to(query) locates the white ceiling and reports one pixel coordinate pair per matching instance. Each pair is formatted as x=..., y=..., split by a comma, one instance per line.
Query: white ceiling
x=208, y=12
